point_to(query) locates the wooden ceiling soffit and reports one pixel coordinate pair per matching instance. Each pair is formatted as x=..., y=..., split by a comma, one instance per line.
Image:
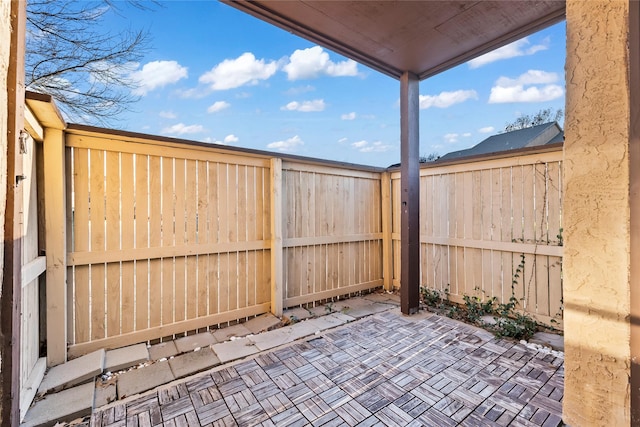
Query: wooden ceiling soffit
x=422, y=37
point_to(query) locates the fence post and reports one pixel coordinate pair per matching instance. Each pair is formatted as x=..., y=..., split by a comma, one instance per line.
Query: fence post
x=277, y=291
x=387, y=225
x=56, y=244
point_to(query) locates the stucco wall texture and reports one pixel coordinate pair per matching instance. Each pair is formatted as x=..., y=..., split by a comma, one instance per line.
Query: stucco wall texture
x=596, y=208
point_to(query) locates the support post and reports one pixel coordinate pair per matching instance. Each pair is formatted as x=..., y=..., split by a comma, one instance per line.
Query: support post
x=387, y=225
x=410, y=193
x=56, y=244
x=600, y=214
x=634, y=202
x=11, y=193
x=277, y=291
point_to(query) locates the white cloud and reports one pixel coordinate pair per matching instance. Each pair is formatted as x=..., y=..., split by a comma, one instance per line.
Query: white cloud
x=349, y=116
x=366, y=147
x=486, y=129
x=343, y=140
x=446, y=99
x=512, y=50
x=167, y=114
x=218, y=106
x=287, y=145
x=466, y=134
x=359, y=144
x=314, y=62
x=244, y=70
x=516, y=90
x=531, y=77
x=193, y=93
x=451, y=138
x=295, y=91
x=230, y=139
x=305, y=106
x=157, y=74
x=181, y=129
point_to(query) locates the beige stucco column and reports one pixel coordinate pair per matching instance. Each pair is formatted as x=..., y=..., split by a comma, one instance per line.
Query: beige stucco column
x=599, y=271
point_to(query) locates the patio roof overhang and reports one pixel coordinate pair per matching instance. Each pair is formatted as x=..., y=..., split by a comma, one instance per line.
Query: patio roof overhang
x=421, y=37
x=409, y=41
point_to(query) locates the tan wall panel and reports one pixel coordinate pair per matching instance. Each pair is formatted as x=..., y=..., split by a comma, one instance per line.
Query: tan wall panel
x=596, y=214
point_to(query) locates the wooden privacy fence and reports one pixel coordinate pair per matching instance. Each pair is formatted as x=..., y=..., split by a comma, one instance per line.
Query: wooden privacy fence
x=486, y=223
x=148, y=237
x=165, y=238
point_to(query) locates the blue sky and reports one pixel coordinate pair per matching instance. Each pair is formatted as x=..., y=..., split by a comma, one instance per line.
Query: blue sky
x=218, y=75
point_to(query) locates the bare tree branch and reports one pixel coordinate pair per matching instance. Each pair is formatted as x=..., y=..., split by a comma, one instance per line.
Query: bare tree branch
x=85, y=67
x=541, y=117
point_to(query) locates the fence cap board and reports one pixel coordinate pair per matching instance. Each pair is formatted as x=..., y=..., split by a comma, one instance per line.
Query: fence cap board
x=185, y=143
x=45, y=110
x=525, y=151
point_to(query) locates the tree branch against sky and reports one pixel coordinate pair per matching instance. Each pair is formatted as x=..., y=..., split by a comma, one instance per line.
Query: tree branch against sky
x=543, y=116
x=78, y=61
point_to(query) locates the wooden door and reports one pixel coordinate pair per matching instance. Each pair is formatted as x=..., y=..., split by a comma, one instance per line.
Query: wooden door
x=32, y=366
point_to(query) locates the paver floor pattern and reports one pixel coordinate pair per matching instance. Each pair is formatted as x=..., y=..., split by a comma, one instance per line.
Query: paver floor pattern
x=384, y=370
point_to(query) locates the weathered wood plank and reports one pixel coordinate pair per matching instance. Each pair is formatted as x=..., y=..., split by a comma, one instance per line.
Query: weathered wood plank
x=113, y=241
x=81, y=223
x=168, y=240
x=142, y=241
x=97, y=217
x=202, y=236
x=191, y=201
x=127, y=242
x=155, y=238
x=179, y=279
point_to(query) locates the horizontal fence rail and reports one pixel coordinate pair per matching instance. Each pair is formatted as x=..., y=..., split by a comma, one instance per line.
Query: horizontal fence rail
x=492, y=228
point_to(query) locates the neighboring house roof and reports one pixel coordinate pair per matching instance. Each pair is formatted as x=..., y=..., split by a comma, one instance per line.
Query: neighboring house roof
x=547, y=133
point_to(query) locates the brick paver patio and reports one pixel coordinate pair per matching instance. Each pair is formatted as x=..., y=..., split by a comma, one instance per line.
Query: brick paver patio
x=383, y=370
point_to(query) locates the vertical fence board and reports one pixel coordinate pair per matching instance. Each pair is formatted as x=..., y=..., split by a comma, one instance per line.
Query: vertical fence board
x=496, y=285
x=251, y=211
x=506, y=232
x=242, y=236
x=517, y=208
x=168, y=240
x=191, y=201
x=127, y=219
x=80, y=244
x=529, y=233
x=112, y=203
x=202, y=230
x=555, y=238
x=40, y=234
x=554, y=202
x=96, y=188
x=232, y=218
x=214, y=259
x=155, y=224
x=179, y=280
x=224, y=227
x=555, y=289
x=142, y=241
x=542, y=285
x=432, y=200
